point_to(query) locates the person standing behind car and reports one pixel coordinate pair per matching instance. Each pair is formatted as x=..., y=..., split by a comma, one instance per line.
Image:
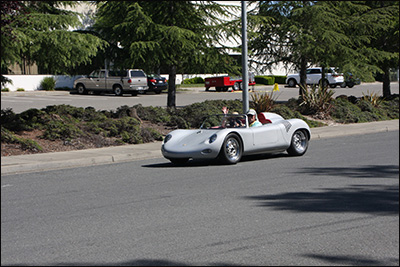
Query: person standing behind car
x=253, y=121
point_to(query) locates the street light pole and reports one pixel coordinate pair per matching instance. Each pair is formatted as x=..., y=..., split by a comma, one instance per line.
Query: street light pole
x=245, y=78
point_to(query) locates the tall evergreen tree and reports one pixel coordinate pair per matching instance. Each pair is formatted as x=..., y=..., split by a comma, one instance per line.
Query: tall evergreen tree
x=327, y=33
x=43, y=35
x=382, y=49
x=176, y=35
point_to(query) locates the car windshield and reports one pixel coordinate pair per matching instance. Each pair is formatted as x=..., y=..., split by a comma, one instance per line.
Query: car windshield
x=222, y=121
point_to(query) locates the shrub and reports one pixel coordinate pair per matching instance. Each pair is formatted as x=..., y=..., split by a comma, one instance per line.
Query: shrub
x=150, y=135
x=5, y=89
x=60, y=130
x=263, y=102
x=27, y=144
x=193, y=80
x=268, y=80
x=373, y=98
x=48, y=84
x=280, y=79
x=20, y=89
x=316, y=101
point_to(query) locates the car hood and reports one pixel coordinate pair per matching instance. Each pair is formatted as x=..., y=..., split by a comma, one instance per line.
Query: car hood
x=191, y=137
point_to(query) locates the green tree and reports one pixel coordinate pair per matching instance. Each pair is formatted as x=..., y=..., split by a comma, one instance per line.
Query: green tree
x=382, y=50
x=42, y=35
x=174, y=35
x=327, y=33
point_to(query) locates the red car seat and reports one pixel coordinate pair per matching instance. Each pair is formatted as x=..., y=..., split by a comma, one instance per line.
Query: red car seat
x=262, y=119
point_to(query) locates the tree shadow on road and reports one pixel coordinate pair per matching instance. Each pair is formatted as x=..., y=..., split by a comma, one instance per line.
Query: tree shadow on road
x=363, y=198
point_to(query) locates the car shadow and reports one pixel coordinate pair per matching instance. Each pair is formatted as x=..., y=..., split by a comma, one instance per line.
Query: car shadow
x=214, y=162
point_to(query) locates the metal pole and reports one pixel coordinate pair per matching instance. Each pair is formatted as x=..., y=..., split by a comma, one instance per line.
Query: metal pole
x=245, y=75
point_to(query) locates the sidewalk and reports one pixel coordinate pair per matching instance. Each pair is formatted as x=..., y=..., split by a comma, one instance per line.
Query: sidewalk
x=87, y=157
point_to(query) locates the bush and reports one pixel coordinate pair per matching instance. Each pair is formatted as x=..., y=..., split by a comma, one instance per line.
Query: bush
x=280, y=79
x=193, y=80
x=20, y=89
x=263, y=102
x=316, y=101
x=268, y=80
x=27, y=144
x=5, y=89
x=48, y=84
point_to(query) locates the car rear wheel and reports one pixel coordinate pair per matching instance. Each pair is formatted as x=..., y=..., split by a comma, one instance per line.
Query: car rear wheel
x=299, y=143
x=118, y=91
x=343, y=85
x=292, y=83
x=81, y=89
x=231, y=150
x=350, y=84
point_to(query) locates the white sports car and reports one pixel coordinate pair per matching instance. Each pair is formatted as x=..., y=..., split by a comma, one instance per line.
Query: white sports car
x=228, y=137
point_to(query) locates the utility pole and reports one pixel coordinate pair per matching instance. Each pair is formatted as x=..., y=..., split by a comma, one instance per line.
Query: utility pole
x=245, y=74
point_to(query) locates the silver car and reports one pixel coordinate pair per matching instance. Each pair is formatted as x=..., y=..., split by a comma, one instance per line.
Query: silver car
x=228, y=137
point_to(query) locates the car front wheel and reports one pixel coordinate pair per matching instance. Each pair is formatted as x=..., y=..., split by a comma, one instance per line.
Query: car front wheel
x=299, y=143
x=231, y=150
x=292, y=83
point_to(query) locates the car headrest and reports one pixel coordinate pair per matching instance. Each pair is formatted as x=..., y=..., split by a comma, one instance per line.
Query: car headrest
x=262, y=119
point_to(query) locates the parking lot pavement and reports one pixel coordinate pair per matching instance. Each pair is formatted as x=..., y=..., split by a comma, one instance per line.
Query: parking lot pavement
x=124, y=153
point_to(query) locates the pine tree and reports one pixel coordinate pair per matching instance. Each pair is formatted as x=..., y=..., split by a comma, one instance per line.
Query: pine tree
x=173, y=35
x=42, y=34
x=356, y=36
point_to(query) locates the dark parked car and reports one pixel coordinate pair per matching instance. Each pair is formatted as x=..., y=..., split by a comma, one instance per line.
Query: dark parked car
x=350, y=81
x=156, y=83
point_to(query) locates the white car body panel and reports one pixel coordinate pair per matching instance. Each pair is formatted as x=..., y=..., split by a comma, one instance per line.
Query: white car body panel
x=271, y=137
x=314, y=78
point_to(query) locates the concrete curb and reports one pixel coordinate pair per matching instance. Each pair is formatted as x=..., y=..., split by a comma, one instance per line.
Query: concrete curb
x=125, y=153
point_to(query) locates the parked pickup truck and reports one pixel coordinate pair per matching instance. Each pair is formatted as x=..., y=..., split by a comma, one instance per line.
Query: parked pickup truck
x=222, y=83
x=129, y=81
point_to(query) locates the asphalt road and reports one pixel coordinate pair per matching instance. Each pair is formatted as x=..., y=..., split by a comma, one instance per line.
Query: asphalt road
x=20, y=101
x=336, y=205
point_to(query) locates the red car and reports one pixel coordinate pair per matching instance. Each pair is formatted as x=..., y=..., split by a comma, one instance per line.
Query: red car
x=222, y=83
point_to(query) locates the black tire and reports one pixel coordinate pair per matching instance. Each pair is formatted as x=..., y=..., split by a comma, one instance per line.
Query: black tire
x=236, y=86
x=118, y=91
x=179, y=161
x=333, y=85
x=135, y=93
x=350, y=84
x=218, y=89
x=292, y=83
x=158, y=92
x=299, y=143
x=80, y=88
x=231, y=150
x=343, y=85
